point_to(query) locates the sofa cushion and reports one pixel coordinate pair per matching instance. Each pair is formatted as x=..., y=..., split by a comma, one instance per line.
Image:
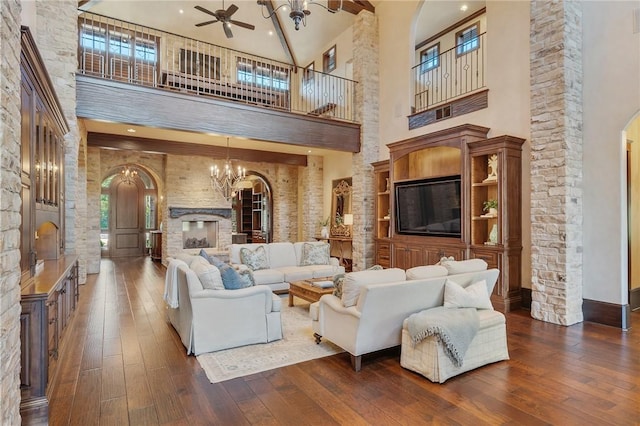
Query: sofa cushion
x=315, y=254
x=428, y=271
x=234, y=251
x=355, y=280
x=281, y=254
x=473, y=296
x=255, y=259
x=297, y=247
x=296, y=273
x=464, y=266
x=324, y=271
x=231, y=279
x=208, y=274
x=268, y=276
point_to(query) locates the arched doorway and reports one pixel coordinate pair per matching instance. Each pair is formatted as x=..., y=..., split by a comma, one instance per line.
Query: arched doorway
x=252, y=214
x=128, y=212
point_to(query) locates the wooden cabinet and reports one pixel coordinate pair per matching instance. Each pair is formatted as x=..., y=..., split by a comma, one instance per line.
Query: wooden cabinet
x=488, y=169
x=48, y=303
x=495, y=174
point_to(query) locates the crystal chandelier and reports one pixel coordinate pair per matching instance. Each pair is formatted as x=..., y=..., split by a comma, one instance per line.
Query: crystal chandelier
x=299, y=10
x=128, y=175
x=225, y=179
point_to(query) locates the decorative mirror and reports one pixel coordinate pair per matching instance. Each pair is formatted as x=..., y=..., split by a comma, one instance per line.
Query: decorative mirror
x=341, y=214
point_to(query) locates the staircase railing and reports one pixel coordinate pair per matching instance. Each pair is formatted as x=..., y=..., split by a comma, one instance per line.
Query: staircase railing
x=118, y=50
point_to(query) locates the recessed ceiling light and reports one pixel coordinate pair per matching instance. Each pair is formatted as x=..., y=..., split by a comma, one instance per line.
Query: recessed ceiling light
x=270, y=33
x=464, y=7
x=181, y=11
x=309, y=151
x=131, y=130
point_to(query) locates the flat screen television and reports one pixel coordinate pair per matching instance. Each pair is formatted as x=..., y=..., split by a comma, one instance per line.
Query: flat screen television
x=429, y=207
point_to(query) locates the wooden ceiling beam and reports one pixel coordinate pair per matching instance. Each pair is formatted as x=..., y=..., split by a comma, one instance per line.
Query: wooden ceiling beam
x=157, y=146
x=353, y=7
x=278, y=27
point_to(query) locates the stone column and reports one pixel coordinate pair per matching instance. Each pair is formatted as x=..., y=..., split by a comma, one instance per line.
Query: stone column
x=310, y=195
x=365, y=72
x=10, y=211
x=56, y=35
x=556, y=161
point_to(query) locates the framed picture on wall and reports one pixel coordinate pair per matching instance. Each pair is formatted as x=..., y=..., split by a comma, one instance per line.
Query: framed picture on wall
x=329, y=60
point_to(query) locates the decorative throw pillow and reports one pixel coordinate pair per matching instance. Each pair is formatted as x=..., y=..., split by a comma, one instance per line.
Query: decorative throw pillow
x=208, y=275
x=246, y=275
x=473, y=296
x=315, y=254
x=254, y=259
x=464, y=266
x=444, y=259
x=231, y=278
x=338, y=281
x=210, y=258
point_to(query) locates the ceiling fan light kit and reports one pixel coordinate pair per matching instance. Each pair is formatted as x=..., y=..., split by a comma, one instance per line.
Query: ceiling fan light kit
x=299, y=10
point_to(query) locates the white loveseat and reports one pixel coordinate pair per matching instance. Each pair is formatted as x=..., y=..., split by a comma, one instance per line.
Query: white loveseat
x=286, y=263
x=386, y=299
x=211, y=320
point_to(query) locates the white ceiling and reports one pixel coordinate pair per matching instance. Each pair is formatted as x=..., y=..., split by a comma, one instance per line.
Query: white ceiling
x=306, y=43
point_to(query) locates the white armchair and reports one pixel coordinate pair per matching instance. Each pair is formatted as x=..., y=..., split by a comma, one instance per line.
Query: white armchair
x=211, y=320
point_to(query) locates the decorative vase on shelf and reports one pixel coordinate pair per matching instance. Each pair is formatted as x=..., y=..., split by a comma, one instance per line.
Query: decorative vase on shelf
x=493, y=235
x=324, y=232
x=493, y=211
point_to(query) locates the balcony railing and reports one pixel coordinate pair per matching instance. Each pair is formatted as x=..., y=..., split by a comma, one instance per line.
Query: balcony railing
x=123, y=51
x=457, y=72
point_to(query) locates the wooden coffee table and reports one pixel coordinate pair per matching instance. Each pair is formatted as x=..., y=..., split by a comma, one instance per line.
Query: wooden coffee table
x=310, y=293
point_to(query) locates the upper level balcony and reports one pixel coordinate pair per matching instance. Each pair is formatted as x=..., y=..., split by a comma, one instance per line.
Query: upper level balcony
x=129, y=58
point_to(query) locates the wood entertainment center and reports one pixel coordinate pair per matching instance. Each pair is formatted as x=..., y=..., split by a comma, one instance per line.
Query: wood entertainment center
x=486, y=169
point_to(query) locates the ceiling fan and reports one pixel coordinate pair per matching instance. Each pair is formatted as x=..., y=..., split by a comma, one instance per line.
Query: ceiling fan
x=224, y=16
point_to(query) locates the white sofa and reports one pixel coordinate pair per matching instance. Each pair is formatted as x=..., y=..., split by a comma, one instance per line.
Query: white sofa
x=285, y=264
x=211, y=320
x=386, y=298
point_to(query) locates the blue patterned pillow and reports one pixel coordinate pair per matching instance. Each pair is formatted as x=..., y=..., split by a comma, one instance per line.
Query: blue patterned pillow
x=231, y=279
x=315, y=254
x=212, y=259
x=254, y=259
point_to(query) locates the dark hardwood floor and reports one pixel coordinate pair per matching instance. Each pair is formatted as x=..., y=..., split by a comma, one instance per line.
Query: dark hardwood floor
x=124, y=364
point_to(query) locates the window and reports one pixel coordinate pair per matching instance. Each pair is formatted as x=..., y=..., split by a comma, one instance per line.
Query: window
x=467, y=40
x=329, y=60
x=199, y=64
x=309, y=73
x=430, y=58
x=262, y=74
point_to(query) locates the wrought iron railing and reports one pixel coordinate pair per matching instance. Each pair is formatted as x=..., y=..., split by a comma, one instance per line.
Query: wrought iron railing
x=457, y=72
x=119, y=50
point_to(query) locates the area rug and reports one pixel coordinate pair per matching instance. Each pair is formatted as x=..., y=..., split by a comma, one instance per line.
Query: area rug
x=297, y=345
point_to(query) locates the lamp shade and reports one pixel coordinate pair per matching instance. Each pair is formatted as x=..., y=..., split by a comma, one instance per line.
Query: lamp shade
x=348, y=219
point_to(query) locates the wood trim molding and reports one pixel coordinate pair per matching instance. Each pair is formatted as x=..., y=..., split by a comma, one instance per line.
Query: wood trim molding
x=281, y=36
x=607, y=313
x=459, y=106
x=104, y=140
x=451, y=27
x=353, y=7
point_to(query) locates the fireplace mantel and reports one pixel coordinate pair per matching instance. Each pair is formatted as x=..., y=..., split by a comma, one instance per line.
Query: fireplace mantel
x=175, y=212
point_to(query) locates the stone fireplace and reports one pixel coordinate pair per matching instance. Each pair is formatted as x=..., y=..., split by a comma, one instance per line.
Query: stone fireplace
x=189, y=230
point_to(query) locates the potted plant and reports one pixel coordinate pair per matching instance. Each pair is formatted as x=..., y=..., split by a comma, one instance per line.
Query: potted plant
x=324, y=223
x=491, y=206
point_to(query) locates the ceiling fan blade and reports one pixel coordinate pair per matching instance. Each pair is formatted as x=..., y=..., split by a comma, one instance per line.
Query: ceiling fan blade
x=208, y=12
x=227, y=30
x=231, y=10
x=243, y=25
x=202, y=24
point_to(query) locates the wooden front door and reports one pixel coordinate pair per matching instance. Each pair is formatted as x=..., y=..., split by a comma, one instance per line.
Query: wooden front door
x=127, y=218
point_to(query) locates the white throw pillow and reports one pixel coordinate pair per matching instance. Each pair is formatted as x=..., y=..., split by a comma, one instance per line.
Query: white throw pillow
x=355, y=280
x=473, y=296
x=208, y=275
x=428, y=271
x=464, y=266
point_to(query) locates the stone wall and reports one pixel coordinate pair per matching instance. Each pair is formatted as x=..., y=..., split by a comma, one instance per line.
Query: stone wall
x=10, y=210
x=56, y=35
x=311, y=195
x=556, y=161
x=365, y=72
